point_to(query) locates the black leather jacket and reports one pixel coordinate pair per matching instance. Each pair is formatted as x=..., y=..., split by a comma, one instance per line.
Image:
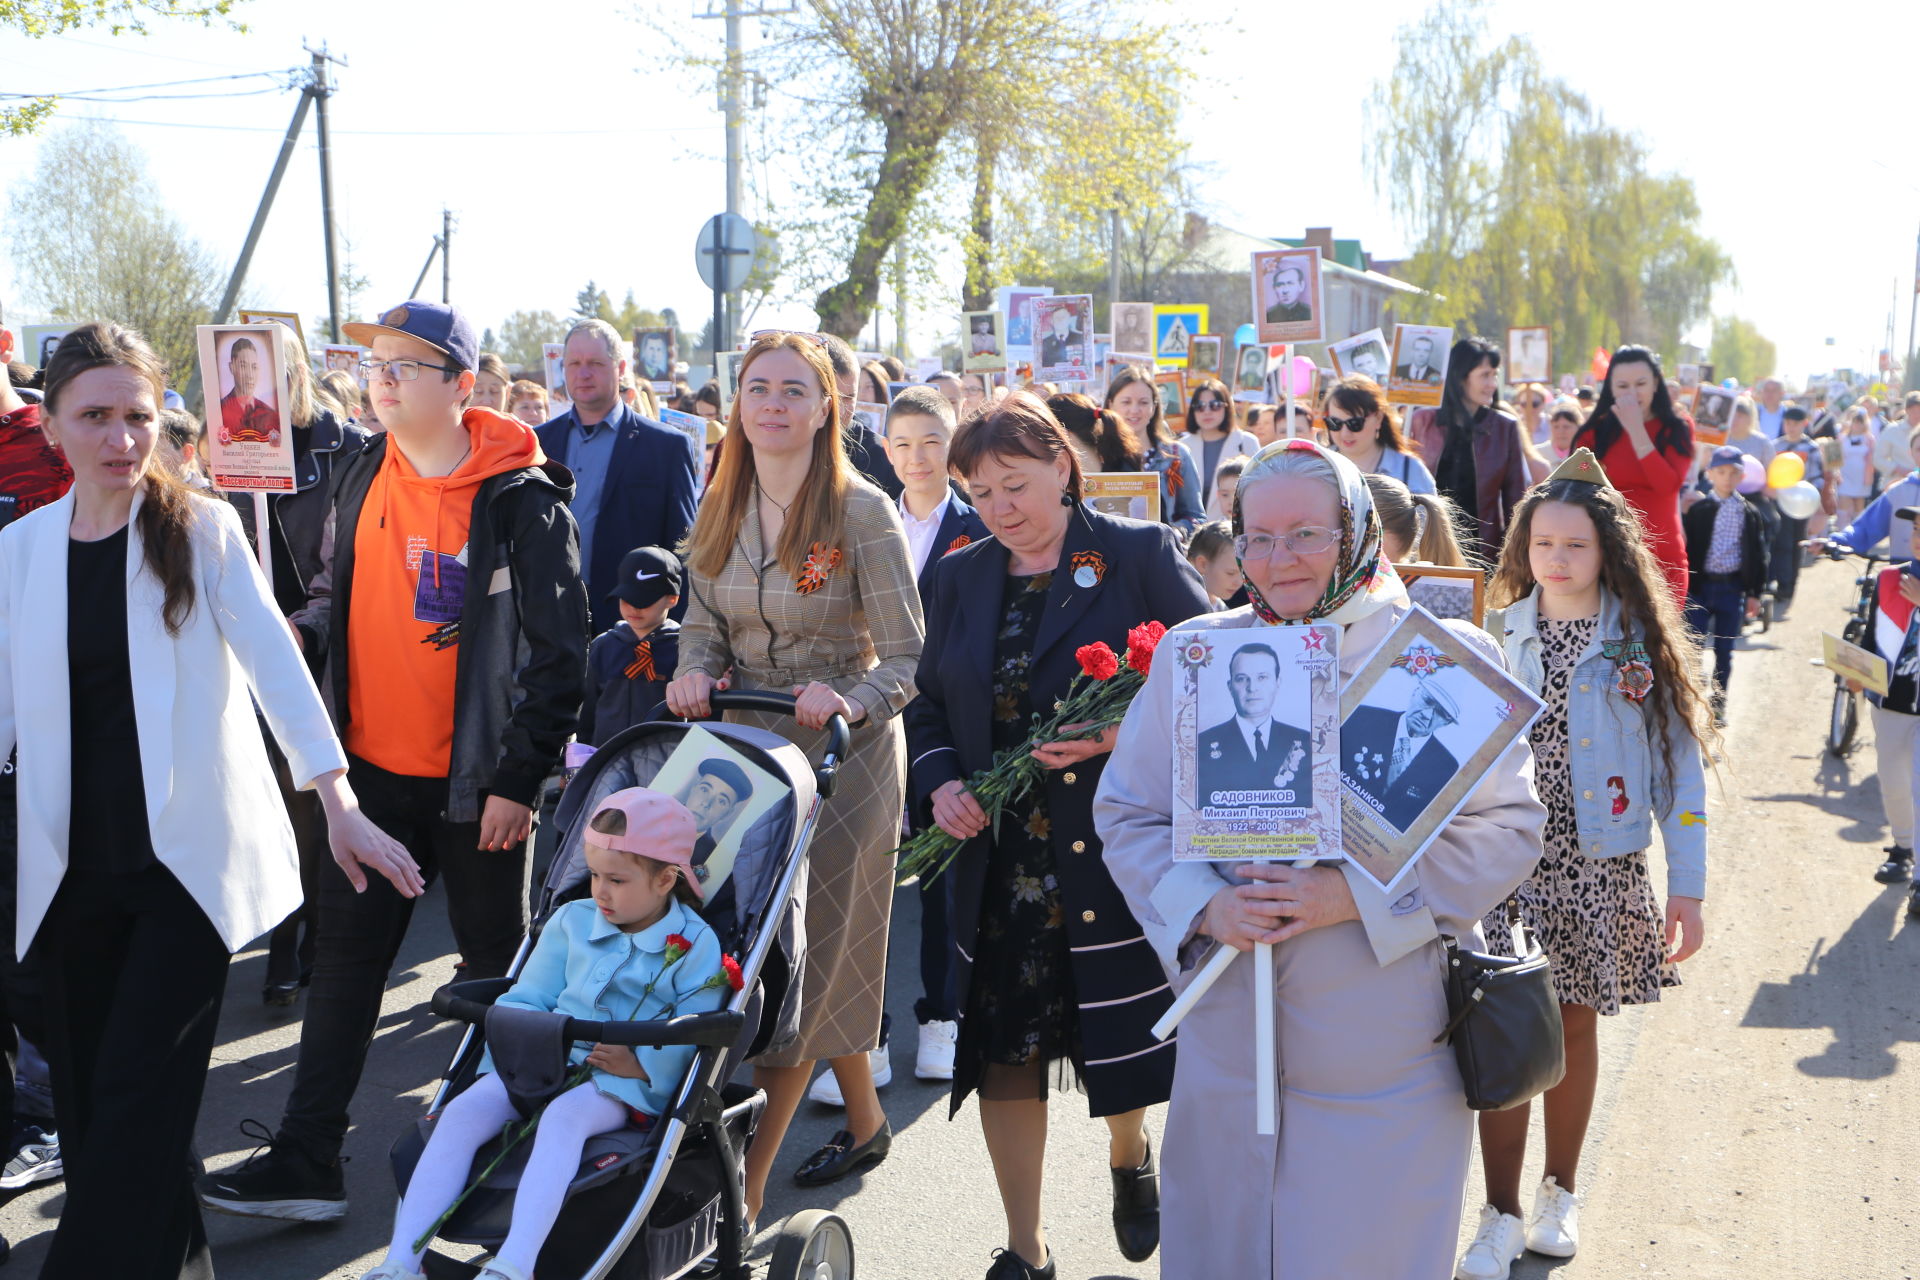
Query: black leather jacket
x=298, y=519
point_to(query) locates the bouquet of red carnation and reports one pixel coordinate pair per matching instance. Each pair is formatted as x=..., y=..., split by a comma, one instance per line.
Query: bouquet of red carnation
x=1097, y=700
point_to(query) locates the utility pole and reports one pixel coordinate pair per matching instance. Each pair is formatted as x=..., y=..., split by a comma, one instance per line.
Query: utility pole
x=1913, y=313
x=1113, y=271
x=732, y=74
x=900, y=298
x=424, y=268
x=320, y=90
x=446, y=256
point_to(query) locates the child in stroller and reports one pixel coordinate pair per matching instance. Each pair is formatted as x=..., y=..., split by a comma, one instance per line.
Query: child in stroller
x=635, y=950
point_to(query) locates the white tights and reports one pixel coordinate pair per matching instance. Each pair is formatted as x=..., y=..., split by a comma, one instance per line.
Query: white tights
x=1894, y=735
x=467, y=1124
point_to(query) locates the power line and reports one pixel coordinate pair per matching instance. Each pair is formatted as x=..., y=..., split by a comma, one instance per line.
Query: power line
x=428, y=133
x=158, y=84
x=153, y=97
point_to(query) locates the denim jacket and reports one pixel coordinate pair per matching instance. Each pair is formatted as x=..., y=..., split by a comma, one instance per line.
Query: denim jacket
x=585, y=967
x=1607, y=744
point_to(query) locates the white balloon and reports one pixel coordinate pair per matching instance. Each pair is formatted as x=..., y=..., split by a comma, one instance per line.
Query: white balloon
x=1798, y=501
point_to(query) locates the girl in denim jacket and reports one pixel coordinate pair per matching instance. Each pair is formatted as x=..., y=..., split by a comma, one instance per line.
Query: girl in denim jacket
x=1592, y=627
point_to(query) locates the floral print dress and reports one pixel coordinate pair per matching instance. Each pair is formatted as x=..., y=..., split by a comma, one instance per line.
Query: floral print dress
x=1597, y=918
x=1020, y=1013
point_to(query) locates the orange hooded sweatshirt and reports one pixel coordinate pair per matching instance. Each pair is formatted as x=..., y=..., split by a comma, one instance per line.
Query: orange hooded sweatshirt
x=409, y=588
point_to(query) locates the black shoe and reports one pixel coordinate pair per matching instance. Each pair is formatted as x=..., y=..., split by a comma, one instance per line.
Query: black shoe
x=1008, y=1265
x=840, y=1157
x=280, y=995
x=1898, y=868
x=276, y=1181
x=1136, y=1209
x=1913, y=901
x=33, y=1157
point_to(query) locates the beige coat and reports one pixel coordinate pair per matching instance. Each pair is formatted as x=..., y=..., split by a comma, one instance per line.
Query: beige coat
x=1366, y=1174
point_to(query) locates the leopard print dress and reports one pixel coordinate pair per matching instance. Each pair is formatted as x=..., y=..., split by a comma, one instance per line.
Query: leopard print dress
x=1596, y=918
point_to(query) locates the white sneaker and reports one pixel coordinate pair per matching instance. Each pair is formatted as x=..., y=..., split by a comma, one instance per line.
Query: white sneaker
x=392, y=1271
x=1501, y=1239
x=826, y=1090
x=937, y=1043
x=498, y=1270
x=1553, y=1228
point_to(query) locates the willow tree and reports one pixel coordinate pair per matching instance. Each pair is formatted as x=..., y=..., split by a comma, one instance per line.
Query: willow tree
x=1524, y=205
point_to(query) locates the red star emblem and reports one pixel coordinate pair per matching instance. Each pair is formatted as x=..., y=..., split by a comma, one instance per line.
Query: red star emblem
x=1310, y=642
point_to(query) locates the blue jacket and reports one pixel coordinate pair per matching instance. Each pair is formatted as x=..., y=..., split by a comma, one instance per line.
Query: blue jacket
x=585, y=967
x=1607, y=739
x=647, y=500
x=1878, y=521
x=960, y=521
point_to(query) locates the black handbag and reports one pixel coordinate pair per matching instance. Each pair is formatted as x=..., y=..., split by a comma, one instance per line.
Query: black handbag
x=1504, y=1022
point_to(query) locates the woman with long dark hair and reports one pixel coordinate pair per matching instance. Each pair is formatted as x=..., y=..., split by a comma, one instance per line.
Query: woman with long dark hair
x=152, y=844
x=1473, y=445
x=1646, y=446
x=1213, y=438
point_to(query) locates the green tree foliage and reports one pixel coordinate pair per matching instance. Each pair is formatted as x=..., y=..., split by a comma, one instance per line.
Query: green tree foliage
x=1524, y=206
x=1740, y=351
x=39, y=18
x=91, y=241
x=523, y=334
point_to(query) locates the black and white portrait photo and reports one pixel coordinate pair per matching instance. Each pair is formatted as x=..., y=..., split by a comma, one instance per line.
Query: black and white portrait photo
x=1133, y=327
x=984, y=345
x=1250, y=370
x=1364, y=354
x=1256, y=749
x=653, y=355
x=1286, y=295
x=1419, y=363
x=1529, y=355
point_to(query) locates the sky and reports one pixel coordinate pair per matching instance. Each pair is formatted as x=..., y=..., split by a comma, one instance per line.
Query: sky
x=569, y=149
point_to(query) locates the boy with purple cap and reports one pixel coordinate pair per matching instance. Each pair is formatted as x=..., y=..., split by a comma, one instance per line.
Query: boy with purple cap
x=640, y=925
x=450, y=620
x=1728, y=538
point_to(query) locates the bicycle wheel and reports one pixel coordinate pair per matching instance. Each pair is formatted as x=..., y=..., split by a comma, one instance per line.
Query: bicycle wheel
x=1844, y=723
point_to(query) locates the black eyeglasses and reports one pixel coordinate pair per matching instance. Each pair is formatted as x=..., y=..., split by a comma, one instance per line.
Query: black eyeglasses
x=1347, y=424
x=403, y=370
x=1208, y=406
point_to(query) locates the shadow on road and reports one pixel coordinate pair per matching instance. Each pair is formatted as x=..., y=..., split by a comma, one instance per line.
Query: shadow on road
x=1859, y=988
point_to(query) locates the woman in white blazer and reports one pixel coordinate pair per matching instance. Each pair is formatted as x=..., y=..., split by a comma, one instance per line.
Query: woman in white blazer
x=1214, y=439
x=134, y=626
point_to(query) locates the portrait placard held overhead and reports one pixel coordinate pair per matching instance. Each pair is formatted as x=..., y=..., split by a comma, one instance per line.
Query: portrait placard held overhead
x=1287, y=306
x=655, y=352
x=248, y=413
x=1063, y=334
x=984, y=341
x=1419, y=363
x=1133, y=330
x=1255, y=730
x=1250, y=372
x=1529, y=354
x=1363, y=355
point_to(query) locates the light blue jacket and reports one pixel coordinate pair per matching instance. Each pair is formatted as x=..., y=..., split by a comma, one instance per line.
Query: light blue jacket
x=1878, y=521
x=1607, y=739
x=585, y=967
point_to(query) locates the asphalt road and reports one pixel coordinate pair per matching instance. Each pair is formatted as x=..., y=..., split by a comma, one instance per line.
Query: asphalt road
x=1754, y=1123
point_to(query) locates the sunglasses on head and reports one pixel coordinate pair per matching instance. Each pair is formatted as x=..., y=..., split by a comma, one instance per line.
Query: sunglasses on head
x=1347, y=424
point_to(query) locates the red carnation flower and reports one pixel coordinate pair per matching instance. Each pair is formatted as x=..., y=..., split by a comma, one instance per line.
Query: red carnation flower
x=677, y=946
x=1141, y=642
x=735, y=978
x=1097, y=660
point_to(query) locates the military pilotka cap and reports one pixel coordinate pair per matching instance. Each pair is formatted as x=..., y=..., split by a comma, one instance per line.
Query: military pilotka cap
x=1580, y=465
x=434, y=323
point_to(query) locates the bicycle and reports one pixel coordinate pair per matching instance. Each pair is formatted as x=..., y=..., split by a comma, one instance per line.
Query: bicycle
x=1843, y=722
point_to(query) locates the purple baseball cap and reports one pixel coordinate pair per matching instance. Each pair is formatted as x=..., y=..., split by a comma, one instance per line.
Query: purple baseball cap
x=435, y=323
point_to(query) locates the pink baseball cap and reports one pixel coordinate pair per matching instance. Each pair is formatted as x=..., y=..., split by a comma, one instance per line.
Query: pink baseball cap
x=657, y=827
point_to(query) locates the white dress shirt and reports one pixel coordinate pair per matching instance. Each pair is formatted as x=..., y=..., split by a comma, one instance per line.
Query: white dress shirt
x=921, y=533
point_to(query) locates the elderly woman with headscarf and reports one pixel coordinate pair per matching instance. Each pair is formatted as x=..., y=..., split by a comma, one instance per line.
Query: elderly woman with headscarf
x=1371, y=1109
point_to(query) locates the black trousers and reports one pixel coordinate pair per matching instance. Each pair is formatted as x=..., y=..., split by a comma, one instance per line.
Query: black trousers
x=134, y=974
x=358, y=935
x=290, y=947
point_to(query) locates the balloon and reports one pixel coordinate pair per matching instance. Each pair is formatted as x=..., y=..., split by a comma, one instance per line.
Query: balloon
x=1798, y=501
x=1245, y=336
x=1785, y=471
x=1731, y=384
x=1754, y=477
x=1303, y=375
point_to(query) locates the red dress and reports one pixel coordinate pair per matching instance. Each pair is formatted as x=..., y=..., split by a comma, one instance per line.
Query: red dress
x=1652, y=487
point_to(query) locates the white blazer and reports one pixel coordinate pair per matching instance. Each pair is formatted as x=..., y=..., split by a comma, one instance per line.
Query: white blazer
x=1240, y=443
x=213, y=807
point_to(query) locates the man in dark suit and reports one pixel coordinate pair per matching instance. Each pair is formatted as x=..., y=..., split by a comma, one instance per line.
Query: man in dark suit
x=1289, y=295
x=1393, y=759
x=1254, y=751
x=1418, y=366
x=634, y=479
x=1061, y=346
x=719, y=787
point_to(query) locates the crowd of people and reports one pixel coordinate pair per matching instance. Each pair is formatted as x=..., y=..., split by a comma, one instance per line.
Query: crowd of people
x=462, y=587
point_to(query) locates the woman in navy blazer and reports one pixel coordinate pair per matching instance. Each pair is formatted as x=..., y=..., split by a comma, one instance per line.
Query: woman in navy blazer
x=136, y=637
x=1004, y=617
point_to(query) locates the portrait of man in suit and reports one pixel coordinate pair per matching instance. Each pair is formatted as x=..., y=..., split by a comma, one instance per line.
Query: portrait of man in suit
x=1419, y=366
x=1255, y=750
x=1393, y=758
x=1063, y=342
x=1289, y=293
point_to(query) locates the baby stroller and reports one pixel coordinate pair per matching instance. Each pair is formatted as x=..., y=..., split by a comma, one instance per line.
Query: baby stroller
x=653, y=1204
